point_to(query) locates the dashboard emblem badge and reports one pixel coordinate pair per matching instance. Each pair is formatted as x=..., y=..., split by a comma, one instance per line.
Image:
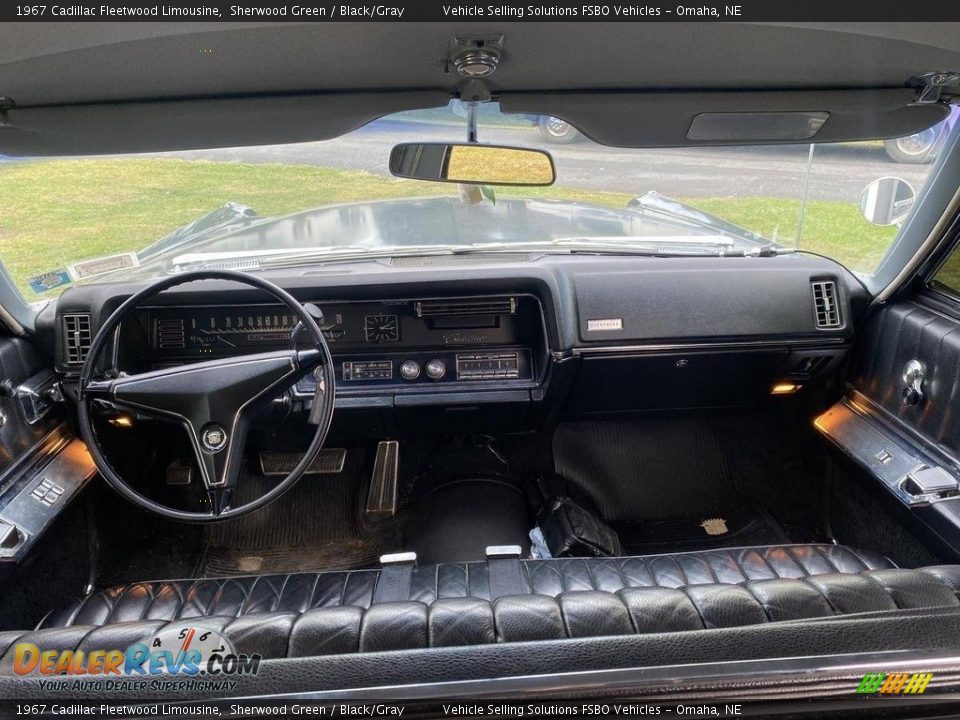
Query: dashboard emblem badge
x=213, y=438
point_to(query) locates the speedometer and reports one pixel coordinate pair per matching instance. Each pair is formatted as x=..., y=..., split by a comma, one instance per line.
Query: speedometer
x=230, y=330
x=207, y=330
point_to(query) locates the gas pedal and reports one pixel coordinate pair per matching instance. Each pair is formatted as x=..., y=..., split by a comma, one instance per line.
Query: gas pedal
x=382, y=497
x=328, y=461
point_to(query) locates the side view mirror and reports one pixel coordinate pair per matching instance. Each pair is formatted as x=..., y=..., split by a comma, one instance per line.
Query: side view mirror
x=472, y=164
x=887, y=201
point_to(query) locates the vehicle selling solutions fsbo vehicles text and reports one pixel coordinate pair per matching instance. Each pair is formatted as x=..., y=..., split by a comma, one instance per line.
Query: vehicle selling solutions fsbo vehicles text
x=519, y=12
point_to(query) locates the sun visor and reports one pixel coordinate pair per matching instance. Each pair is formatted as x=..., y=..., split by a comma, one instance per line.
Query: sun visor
x=197, y=124
x=665, y=119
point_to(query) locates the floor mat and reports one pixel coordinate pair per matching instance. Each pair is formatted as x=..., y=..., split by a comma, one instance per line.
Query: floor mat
x=318, y=525
x=736, y=529
x=646, y=469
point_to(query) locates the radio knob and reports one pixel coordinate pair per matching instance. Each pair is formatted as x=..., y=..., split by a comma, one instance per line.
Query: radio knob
x=410, y=370
x=436, y=369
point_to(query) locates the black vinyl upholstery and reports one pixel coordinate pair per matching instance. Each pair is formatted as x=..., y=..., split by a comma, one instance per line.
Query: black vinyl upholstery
x=326, y=613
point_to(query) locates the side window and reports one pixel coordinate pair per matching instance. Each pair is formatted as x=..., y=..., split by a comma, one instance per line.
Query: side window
x=947, y=277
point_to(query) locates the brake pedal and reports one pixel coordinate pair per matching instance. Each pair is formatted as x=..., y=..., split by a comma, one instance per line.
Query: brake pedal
x=328, y=461
x=382, y=497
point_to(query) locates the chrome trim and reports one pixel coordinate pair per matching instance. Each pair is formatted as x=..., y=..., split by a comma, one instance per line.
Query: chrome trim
x=905, y=432
x=731, y=345
x=914, y=373
x=734, y=678
x=503, y=551
x=879, y=449
x=63, y=476
x=38, y=453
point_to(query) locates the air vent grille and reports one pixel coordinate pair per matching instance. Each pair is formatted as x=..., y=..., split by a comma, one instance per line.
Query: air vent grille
x=485, y=306
x=415, y=261
x=240, y=264
x=825, y=304
x=77, y=337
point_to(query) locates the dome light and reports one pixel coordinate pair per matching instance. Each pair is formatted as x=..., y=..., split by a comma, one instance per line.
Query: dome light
x=476, y=63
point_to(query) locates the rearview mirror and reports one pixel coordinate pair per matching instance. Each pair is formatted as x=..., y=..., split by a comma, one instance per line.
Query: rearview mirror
x=472, y=164
x=887, y=201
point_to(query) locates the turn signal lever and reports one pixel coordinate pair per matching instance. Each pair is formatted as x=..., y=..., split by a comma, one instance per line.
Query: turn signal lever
x=316, y=414
x=913, y=375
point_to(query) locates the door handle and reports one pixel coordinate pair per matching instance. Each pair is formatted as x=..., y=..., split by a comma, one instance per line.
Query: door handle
x=914, y=373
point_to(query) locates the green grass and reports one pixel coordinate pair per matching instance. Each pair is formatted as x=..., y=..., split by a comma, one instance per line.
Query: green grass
x=54, y=212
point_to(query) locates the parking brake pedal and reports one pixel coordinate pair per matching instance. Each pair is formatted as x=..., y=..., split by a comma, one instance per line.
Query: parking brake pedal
x=178, y=474
x=329, y=460
x=382, y=497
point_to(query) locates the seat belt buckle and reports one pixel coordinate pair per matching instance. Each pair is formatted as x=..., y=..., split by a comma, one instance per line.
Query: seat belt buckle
x=403, y=558
x=396, y=575
x=503, y=551
x=504, y=575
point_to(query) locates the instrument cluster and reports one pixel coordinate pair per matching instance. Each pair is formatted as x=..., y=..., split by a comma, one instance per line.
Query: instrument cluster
x=392, y=342
x=229, y=330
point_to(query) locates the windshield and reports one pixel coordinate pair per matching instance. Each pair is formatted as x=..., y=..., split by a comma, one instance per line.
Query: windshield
x=163, y=212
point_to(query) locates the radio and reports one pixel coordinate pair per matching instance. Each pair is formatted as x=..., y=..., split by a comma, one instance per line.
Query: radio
x=368, y=370
x=488, y=365
x=428, y=368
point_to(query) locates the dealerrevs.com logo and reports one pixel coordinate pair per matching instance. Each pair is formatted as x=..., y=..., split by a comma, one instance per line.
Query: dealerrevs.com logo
x=181, y=651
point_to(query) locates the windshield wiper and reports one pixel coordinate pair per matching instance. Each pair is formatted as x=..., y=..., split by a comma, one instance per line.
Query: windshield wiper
x=668, y=246
x=647, y=246
x=652, y=203
x=559, y=245
x=257, y=259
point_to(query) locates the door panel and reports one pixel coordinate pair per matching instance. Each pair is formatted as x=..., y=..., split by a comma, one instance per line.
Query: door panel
x=909, y=446
x=895, y=336
x=43, y=467
x=18, y=363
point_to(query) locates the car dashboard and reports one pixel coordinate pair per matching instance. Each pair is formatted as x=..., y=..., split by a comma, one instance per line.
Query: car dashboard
x=559, y=334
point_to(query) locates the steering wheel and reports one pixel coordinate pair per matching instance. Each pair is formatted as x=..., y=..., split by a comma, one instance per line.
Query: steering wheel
x=213, y=400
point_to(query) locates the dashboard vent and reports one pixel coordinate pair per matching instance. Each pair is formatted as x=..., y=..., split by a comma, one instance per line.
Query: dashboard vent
x=76, y=337
x=241, y=264
x=825, y=304
x=415, y=261
x=448, y=308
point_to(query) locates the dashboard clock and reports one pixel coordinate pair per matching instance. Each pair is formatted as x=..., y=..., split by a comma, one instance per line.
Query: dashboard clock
x=381, y=328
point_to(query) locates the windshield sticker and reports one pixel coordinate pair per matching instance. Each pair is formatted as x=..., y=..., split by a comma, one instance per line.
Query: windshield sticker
x=100, y=265
x=49, y=280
